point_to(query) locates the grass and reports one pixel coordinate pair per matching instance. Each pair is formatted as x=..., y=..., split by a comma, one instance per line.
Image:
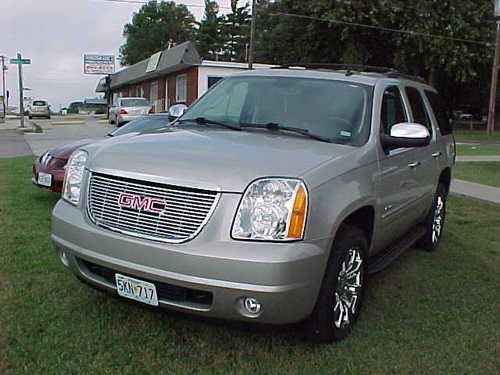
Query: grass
x=479, y=150
x=475, y=136
x=480, y=172
x=428, y=313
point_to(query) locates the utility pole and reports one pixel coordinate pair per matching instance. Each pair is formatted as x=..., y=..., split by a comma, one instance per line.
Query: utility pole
x=3, y=86
x=251, y=53
x=494, y=81
x=21, y=93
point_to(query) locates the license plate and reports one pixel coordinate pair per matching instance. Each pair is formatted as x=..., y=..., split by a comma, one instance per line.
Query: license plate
x=44, y=179
x=136, y=289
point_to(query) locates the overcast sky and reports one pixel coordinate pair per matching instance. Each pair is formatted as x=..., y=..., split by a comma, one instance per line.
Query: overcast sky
x=55, y=34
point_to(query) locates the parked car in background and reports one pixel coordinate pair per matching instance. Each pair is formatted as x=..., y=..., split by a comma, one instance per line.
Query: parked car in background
x=128, y=109
x=270, y=200
x=39, y=108
x=49, y=169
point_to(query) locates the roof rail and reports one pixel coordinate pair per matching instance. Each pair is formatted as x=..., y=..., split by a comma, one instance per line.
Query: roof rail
x=354, y=68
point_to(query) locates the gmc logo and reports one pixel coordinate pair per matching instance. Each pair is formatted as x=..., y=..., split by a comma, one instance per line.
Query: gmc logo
x=139, y=203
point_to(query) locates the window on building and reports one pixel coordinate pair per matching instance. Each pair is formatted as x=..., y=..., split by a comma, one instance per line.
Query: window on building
x=181, y=88
x=213, y=80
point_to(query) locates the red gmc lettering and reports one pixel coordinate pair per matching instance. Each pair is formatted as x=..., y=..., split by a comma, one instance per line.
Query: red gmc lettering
x=141, y=203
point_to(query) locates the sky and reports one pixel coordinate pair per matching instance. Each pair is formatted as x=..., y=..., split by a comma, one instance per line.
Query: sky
x=55, y=34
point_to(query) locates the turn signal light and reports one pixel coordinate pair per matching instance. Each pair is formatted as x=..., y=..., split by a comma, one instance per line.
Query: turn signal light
x=298, y=217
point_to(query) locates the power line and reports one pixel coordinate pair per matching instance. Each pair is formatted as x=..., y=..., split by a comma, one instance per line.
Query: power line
x=381, y=28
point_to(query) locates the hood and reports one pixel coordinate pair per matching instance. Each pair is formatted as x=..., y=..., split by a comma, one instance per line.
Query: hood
x=211, y=158
x=64, y=151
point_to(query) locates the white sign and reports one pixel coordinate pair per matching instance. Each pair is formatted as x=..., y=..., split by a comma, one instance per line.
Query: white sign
x=497, y=8
x=98, y=64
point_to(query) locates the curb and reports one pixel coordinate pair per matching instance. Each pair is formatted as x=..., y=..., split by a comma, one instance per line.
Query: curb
x=74, y=122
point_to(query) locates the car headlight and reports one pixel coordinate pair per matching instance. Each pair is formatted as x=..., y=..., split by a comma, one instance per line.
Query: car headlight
x=272, y=209
x=74, y=176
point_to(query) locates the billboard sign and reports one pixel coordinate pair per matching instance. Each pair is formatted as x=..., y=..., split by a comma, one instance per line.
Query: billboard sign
x=98, y=64
x=497, y=8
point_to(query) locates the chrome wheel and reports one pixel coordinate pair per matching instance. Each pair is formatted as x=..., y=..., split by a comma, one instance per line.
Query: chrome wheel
x=348, y=290
x=438, y=219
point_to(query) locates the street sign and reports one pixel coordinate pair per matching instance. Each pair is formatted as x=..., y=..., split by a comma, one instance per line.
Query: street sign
x=98, y=64
x=20, y=61
x=497, y=8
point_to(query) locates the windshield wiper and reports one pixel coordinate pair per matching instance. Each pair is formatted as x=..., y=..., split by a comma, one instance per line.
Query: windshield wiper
x=278, y=127
x=206, y=121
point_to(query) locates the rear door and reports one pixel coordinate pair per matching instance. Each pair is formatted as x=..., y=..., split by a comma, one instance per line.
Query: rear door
x=396, y=182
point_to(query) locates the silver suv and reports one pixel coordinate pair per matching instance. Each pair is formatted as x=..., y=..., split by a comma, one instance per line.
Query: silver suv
x=270, y=200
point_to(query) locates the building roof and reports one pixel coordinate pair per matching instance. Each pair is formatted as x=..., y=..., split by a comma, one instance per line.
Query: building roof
x=177, y=58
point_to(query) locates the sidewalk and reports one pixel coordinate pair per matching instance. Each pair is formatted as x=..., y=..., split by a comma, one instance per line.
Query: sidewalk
x=484, y=158
x=477, y=191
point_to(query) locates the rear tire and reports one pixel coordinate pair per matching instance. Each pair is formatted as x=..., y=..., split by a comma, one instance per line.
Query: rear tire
x=341, y=294
x=434, y=221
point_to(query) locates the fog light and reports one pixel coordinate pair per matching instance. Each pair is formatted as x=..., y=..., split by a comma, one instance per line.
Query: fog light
x=64, y=257
x=251, y=306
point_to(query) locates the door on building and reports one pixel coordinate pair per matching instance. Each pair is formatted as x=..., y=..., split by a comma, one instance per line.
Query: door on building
x=166, y=95
x=153, y=95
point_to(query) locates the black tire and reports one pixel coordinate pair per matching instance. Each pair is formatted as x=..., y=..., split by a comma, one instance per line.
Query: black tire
x=325, y=324
x=434, y=221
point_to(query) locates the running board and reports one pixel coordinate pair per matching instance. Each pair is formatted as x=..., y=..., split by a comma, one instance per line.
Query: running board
x=383, y=259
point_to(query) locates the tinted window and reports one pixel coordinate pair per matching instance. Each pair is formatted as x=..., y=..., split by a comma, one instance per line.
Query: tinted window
x=134, y=103
x=440, y=112
x=393, y=110
x=142, y=124
x=39, y=103
x=213, y=80
x=420, y=115
x=332, y=109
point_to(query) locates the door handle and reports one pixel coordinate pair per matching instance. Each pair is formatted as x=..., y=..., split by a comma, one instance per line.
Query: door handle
x=436, y=154
x=414, y=164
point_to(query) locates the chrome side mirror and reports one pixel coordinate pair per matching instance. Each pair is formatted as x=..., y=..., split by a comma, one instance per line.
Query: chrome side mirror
x=406, y=135
x=176, y=111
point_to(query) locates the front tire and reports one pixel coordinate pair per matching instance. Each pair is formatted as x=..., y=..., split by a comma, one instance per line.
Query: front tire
x=434, y=222
x=341, y=294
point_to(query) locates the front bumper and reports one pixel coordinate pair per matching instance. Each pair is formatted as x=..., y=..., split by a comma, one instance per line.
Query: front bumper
x=57, y=176
x=284, y=277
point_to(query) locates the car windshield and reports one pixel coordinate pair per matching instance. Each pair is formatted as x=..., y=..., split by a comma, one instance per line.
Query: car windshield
x=39, y=103
x=335, y=110
x=142, y=124
x=134, y=102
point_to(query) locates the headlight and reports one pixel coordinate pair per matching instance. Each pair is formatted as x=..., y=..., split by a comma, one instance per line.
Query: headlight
x=74, y=176
x=272, y=209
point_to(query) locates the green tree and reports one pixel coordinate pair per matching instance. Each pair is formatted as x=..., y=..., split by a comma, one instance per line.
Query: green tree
x=153, y=28
x=236, y=31
x=209, y=39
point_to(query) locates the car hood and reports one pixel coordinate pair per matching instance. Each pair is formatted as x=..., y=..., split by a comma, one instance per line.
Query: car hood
x=65, y=150
x=210, y=158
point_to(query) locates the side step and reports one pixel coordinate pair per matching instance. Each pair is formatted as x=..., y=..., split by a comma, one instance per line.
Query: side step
x=378, y=262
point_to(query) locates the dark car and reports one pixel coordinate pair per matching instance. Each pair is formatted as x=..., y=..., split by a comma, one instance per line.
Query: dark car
x=49, y=169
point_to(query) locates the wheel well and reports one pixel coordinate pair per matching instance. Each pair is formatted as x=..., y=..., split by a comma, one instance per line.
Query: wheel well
x=445, y=178
x=362, y=218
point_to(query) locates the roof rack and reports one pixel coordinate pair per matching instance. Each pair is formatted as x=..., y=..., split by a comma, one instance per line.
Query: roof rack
x=351, y=69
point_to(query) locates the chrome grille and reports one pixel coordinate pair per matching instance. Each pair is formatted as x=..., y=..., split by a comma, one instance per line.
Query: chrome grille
x=184, y=214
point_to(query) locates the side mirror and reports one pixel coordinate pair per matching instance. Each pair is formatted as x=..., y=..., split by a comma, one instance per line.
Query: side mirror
x=406, y=135
x=176, y=111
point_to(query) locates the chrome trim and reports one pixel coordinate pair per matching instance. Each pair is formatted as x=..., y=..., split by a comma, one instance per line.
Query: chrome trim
x=217, y=195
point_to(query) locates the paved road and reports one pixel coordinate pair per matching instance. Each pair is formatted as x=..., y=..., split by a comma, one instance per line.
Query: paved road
x=485, y=158
x=55, y=135
x=13, y=144
x=477, y=191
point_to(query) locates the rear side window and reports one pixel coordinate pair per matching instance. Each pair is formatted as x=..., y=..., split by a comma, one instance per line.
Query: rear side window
x=39, y=103
x=440, y=112
x=420, y=115
x=393, y=110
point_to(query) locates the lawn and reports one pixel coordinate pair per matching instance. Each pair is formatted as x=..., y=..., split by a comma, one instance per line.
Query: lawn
x=428, y=313
x=475, y=136
x=471, y=150
x=480, y=172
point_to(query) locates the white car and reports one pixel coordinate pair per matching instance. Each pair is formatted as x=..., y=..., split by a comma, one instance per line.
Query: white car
x=39, y=108
x=128, y=109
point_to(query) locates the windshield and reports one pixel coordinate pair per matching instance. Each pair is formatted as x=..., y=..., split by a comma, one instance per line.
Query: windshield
x=142, y=124
x=39, y=103
x=332, y=109
x=134, y=103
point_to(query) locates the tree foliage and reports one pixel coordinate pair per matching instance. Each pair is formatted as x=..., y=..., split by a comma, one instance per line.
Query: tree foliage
x=236, y=32
x=153, y=28
x=209, y=39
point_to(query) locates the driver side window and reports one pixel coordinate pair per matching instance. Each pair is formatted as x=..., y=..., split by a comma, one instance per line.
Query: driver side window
x=393, y=110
